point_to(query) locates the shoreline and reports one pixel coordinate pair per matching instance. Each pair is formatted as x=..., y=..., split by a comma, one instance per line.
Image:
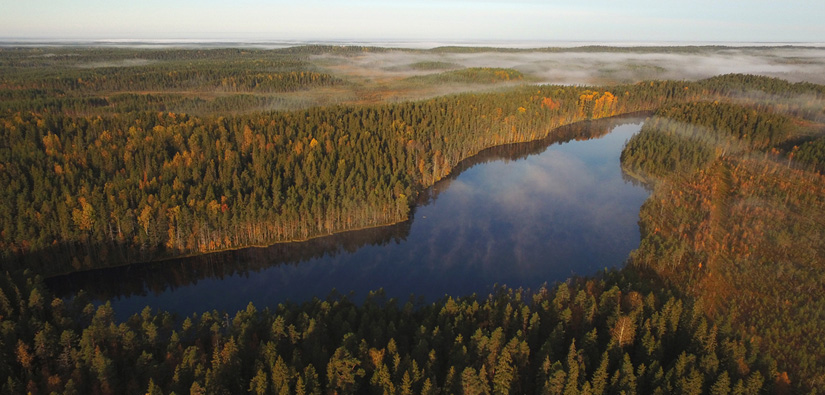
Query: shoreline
x=230, y=249
x=416, y=203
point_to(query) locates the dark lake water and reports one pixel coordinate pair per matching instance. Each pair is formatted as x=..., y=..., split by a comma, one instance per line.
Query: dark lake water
x=521, y=215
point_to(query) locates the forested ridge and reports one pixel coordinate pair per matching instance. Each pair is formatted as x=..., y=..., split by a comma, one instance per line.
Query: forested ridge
x=469, y=75
x=722, y=296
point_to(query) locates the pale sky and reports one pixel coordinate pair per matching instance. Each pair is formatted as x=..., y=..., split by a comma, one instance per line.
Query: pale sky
x=418, y=20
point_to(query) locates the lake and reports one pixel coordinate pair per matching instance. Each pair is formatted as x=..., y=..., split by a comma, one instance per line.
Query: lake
x=519, y=215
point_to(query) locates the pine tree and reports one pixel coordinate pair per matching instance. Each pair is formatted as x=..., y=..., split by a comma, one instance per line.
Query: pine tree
x=600, y=378
x=504, y=374
x=722, y=385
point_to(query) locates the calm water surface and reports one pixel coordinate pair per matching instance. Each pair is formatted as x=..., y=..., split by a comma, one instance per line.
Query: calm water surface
x=520, y=215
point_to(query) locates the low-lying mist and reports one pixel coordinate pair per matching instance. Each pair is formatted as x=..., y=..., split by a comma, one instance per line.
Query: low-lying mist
x=374, y=75
x=584, y=67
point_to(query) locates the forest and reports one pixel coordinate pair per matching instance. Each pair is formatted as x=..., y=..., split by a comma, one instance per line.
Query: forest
x=144, y=185
x=116, y=156
x=736, y=222
x=597, y=336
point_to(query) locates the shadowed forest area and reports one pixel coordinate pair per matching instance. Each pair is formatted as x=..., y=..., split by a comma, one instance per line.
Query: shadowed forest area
x=113, y=156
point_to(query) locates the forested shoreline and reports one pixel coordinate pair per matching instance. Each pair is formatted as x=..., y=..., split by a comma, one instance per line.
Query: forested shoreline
x=142, y=186
x=608, y=334
x=736, y=223
x=95, y=175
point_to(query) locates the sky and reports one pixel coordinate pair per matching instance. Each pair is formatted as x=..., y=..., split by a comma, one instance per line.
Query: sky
x=417, y=20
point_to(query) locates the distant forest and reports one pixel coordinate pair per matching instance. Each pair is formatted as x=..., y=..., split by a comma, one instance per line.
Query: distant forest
x=99, y=167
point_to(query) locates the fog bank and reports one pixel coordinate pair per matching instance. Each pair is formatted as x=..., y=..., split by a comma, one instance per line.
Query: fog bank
x=576, y=66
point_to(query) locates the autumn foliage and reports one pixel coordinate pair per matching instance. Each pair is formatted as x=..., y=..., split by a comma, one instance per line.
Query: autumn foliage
x=741, y=230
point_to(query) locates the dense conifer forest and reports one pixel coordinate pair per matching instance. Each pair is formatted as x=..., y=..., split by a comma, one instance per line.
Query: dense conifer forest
x=736, y=222
x=604, y=335
x=114, y=156
x=142, y=185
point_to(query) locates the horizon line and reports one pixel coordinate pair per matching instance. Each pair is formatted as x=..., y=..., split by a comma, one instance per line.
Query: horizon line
x=215, y=43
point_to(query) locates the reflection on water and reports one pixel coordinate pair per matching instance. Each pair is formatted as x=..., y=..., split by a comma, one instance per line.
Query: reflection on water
x=521, y=215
